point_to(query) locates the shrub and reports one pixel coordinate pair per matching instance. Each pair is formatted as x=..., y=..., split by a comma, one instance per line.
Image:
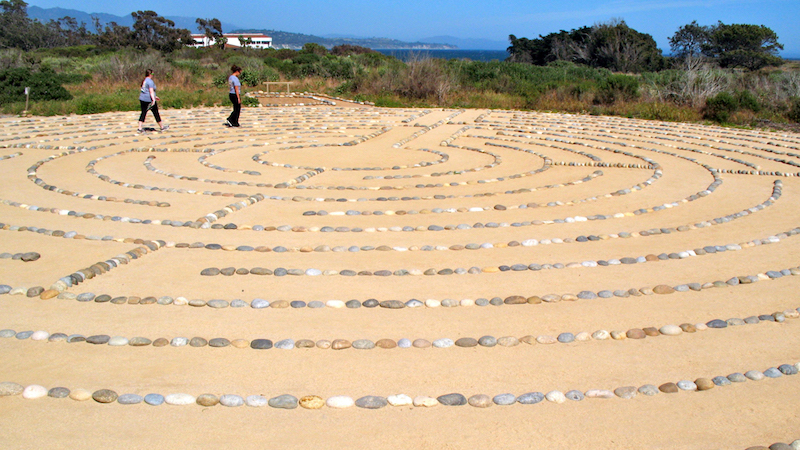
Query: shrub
x=618, y=87
x=720, y=107
x=44, y=85
x=747, y=100
x=794, y=110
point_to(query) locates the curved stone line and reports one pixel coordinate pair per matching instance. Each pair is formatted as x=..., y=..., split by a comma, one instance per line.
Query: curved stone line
x=516, y=267
x=13, y=155
x=33, y=176
x=448, y=303
x=443, y=157
x=288, y=401
x=746, y=163
x=148, y=164
x=21, y=256
x=367, y=344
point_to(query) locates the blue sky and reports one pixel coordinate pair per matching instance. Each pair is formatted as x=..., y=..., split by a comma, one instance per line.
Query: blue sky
x=494, y=20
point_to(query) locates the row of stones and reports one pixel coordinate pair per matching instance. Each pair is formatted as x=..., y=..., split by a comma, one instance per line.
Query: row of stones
x=33, y=176
x=442, y=158
x=323, y=98
x=722, y=156
x=519, y=267
x=12, y=155
x=288, y=401
x=367, y=344
x=148, y=164
x=426, y=128
x=413, y=303
x=25, y=257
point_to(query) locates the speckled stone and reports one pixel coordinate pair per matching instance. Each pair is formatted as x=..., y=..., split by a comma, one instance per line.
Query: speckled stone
x=58, y=392
x=504, y=399
x=480, y=401
x=530, y=398
x=104, y=396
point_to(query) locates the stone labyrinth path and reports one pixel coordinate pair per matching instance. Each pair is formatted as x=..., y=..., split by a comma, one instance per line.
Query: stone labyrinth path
x=540, y=280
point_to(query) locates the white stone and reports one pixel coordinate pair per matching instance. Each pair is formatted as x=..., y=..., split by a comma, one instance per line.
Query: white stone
x=40, y=335
x=179, y=399
x=336, y=304
x=431, y=303
x=34, y=391
x=400, y=400
x=670, y=330
x=555, y=397
x=601, y=335
x=599, y=393
x=424, y=401
x=339, y=402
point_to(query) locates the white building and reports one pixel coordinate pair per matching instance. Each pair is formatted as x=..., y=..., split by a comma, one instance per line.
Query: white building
x=256, y=40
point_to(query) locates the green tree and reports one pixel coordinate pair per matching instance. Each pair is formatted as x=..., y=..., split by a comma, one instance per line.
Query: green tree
x=741, y=45
x=153, y=31
x=689, y=40
x=212, y=29
x=113, y=35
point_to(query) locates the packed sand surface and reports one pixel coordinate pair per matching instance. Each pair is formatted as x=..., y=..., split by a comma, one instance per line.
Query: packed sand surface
x=362, y=277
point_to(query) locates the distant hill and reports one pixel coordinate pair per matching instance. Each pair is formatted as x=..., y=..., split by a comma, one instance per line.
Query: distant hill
x=280, y=39
x=295, y=41
x=44, y=15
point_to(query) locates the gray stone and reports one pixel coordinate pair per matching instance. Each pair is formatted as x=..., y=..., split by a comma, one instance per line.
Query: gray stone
x=371, y=402
x=129, y=399
x=530, y=398
x=154, y=399
x=452, y=400
x=285, y=401
x=58, y=392
x=504, y=399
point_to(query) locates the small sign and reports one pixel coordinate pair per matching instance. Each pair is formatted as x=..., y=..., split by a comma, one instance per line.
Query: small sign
x=27, y=91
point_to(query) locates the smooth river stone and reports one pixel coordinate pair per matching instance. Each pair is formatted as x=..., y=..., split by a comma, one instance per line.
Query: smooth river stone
x=58, y=392
x=231, y=400
x=480, y=401
x=311, y=402
x=466, y=342
x=443, y=343
x=34, y=391
x=363, y=344
x=339, y=402
x=648, y=389
x=261, y=344
x=452, y=399
x=386, y=343
x=80, y=395
x=284, y=401
x=104, y=396
x=530, y=398
x=626, y=392
x=371, y=402
x=285, y=344
x=129, y=399
x=574, y=395
x=179, y=399
x=670, y=330
x=400, y=400
x=504, y=399
x=255, y=401
x=555, y=397
x=425, y=401
x=668, y=388
x=754, y=375
x=118, y=341
x=207, y=400
x=341, y=344
x=704, y=384
x=599, y=393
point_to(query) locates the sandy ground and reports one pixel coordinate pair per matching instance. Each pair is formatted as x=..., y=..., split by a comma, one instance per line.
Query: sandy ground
x=399, y=168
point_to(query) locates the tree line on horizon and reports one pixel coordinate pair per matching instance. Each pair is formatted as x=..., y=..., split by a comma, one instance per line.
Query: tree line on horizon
x=616, y=46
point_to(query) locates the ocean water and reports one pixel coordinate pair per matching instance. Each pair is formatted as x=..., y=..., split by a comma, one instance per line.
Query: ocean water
x=474, y=55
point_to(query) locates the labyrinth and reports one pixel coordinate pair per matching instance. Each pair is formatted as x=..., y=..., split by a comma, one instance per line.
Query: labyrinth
x=341, y=276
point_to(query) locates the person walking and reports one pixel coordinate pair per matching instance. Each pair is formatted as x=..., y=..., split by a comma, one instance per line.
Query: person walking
x=235, y=94
x=149, y=101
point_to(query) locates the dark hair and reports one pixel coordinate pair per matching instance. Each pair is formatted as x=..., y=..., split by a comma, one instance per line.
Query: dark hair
x=235, y=68
x=147, y=73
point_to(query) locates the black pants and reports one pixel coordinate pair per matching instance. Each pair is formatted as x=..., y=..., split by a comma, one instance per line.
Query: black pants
x=145, y=106
x=237, y=109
